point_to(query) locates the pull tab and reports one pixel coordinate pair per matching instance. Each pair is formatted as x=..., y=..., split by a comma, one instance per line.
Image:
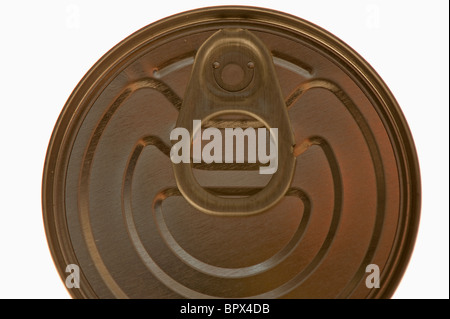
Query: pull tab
x=233, y=73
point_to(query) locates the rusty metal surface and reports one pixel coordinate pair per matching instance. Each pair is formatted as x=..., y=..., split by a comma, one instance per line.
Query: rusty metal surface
x=112, y=205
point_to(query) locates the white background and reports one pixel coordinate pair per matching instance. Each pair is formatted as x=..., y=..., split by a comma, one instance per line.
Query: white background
x=47, y=47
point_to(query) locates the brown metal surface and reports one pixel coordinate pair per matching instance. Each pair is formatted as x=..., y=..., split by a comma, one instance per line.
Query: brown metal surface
x=113, y=206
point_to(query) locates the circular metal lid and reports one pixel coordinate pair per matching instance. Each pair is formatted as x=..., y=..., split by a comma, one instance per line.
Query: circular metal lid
x=338, y=218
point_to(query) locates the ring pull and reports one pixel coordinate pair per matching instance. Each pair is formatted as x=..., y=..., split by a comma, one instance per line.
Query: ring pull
x=233, y=73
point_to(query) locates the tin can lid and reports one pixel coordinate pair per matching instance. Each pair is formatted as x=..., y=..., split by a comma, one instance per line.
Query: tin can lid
x=337, y=219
